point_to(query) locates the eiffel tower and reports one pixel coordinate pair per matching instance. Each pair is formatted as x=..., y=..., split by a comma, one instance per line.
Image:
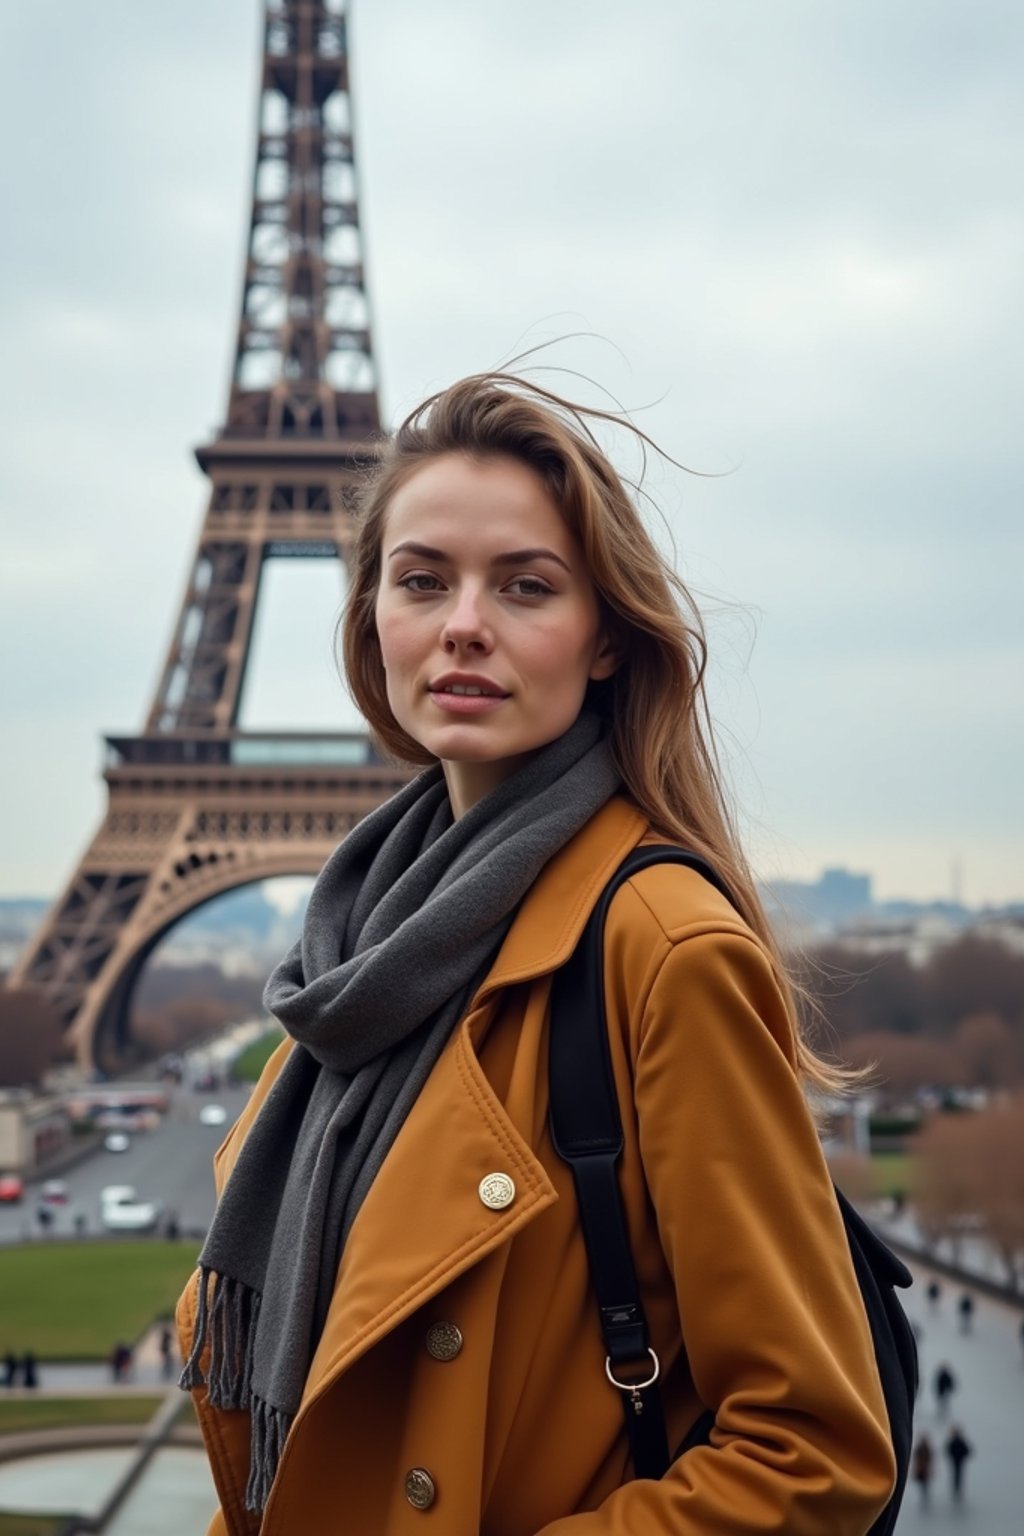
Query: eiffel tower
x=197, y=806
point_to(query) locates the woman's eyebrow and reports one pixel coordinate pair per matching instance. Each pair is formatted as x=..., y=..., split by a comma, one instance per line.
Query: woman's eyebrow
x=423, y=550
x=514, y=556
x=525, y=556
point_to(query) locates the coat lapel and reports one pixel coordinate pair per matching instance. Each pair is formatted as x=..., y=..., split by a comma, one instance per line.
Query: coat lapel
x=424, y=1221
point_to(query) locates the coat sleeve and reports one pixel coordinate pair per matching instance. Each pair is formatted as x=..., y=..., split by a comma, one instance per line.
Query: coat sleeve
x=773, y=1322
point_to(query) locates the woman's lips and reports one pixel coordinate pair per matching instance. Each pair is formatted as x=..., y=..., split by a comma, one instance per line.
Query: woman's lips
x=467, y=703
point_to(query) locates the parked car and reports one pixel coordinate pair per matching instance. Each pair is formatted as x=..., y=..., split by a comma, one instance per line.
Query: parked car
x=117, y=1141
x=12, y=1189
x=113, y=1192
x=127, y=1120
x=121, y=1210
x=213, y=1114
x=54, y=1192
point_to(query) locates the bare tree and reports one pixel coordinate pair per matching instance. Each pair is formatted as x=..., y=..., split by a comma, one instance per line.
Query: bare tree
x=990, y=1055
x=974, y=975
x=947, y=1177
x=970, y=1177
x=999, y=1161
x=900, y=1064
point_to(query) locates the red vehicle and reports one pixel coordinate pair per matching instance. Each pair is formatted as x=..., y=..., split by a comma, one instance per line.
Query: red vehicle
x=12, y=1189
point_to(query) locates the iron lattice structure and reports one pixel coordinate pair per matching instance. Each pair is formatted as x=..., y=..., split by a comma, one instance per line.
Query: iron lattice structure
x=197, y=806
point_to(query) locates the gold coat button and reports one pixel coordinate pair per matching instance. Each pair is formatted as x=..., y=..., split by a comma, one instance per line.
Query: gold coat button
x=419, y=1488
x=444, y=1341
x=496, y=1191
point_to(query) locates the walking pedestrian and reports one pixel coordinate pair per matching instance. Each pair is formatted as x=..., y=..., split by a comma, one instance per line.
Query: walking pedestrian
x=944, y=1387
x=166, y=1352
x=29, y=1371
x=958, y=1448
x=391, y=1198
x=10, y=1370
x=933, y=1293
x=922, y=1467
x=1021, y=1333
x=965, y=1307
x=120, y=1361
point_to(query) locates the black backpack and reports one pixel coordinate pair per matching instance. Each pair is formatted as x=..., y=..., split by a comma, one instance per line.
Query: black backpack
x=587, y=1134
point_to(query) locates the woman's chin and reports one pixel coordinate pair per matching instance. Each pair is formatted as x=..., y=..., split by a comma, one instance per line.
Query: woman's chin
x=471, y=742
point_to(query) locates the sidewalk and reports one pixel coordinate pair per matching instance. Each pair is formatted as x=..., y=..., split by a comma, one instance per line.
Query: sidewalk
x=91, y=1379
x=988, y=1403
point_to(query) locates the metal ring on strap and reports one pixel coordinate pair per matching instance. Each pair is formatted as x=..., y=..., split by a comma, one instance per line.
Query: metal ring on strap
x=633, y=1386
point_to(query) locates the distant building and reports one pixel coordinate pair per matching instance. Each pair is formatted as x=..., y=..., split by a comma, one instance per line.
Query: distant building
x=1003, y=928
x=842, y=896
x=916, y=937
x=840, y=907
x=805, y=909
x=34, y=1128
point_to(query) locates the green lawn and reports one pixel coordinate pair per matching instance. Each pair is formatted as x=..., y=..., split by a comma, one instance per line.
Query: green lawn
x=892, y=1172
x=73, y=1301
x=248, y=1065
x=23, y=1414
x=32, y=1525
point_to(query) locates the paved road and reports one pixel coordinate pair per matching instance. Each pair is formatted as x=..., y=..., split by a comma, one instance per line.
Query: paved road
x=172, y=1164
x=988, y=1405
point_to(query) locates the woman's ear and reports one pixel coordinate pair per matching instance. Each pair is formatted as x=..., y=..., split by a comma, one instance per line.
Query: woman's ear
x=606, y=658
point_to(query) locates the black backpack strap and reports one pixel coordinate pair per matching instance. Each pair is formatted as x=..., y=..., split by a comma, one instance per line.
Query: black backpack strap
x=587, y=1133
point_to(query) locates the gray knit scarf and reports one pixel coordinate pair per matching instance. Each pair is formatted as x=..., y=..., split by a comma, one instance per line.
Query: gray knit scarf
x=403, y=923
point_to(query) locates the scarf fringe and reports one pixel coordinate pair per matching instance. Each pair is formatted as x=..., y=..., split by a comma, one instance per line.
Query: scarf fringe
x=270, y=1428
x=192, y=1375
x=227, y=1321
x=226, y=1318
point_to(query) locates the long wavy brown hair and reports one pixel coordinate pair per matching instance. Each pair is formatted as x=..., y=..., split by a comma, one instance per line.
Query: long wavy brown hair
x=655, y=702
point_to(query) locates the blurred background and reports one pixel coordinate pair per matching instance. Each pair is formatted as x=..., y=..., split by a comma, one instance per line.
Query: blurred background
x=788, y=239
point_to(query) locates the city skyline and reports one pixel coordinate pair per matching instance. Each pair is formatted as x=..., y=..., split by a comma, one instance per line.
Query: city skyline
x=796, y=235
x=284, y=892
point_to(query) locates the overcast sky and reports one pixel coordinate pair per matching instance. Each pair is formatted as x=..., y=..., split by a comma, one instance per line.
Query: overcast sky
x=796, y=226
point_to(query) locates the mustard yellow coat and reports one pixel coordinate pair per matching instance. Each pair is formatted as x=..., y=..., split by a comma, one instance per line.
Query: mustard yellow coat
x=733, y=1228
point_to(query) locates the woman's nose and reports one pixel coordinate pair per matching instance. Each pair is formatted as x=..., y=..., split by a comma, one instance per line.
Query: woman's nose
x=466, y=623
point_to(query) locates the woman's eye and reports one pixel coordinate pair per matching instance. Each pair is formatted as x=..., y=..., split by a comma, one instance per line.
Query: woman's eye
x=529, y=586
x=419, y=581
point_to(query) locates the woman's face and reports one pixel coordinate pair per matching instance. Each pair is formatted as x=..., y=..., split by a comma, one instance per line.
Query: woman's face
x=487, y=618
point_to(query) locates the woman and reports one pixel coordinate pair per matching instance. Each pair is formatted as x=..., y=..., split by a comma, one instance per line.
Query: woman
x=392, y=1321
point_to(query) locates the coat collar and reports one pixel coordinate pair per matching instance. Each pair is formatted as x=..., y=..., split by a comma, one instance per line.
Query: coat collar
x=552, y=917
